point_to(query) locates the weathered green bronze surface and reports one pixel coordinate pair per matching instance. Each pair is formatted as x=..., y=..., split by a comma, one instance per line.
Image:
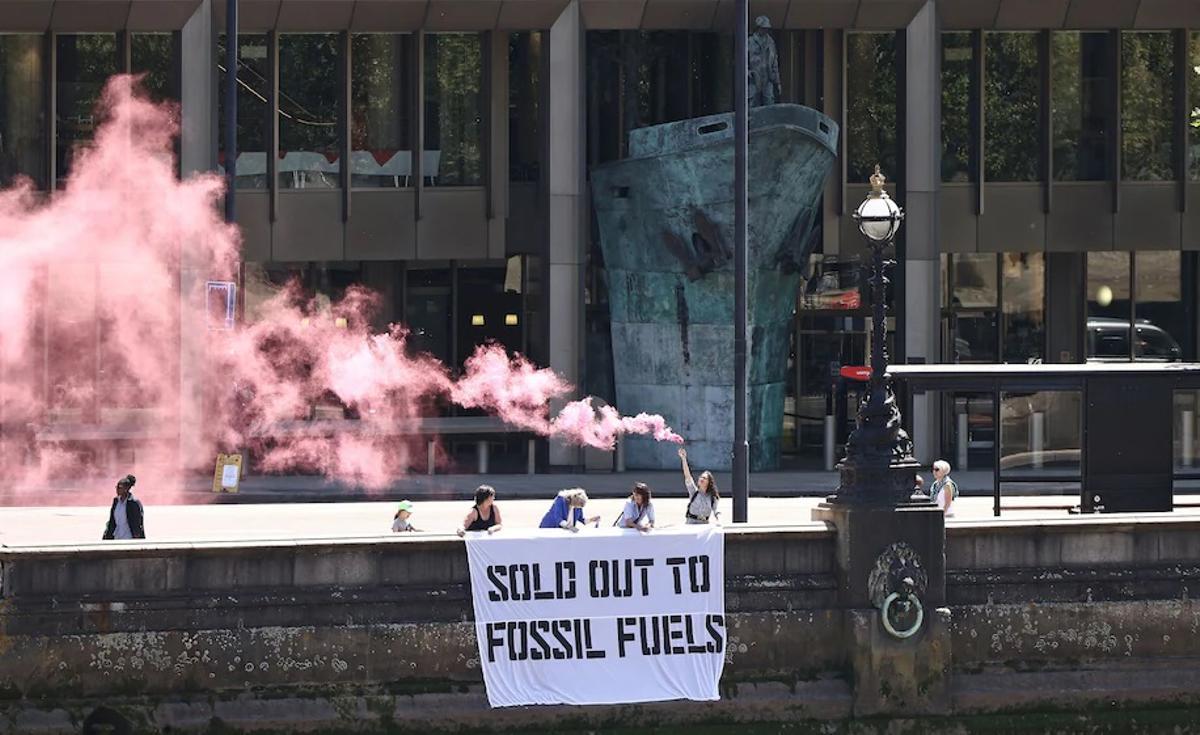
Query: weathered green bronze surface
x=666, y=229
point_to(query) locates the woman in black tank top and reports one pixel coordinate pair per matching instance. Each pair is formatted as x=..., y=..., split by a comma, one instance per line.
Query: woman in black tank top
x=484, y=516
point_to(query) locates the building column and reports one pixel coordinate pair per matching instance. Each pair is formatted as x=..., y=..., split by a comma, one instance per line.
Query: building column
x=922, y=182
x=197, y=151
x=567, y=208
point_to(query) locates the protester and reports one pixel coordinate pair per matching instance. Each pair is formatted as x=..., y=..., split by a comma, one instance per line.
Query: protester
x=401, y=523
x=125, y=517
x=484, y=515
x=702, y=496
x=567, y=510
x=944, y=490
x=639, y=510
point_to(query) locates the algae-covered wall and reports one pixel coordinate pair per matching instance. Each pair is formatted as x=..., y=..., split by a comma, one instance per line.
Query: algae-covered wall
x=377, y=633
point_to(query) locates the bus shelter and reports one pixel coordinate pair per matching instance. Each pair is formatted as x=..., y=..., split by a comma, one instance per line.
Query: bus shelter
x=1126, y=432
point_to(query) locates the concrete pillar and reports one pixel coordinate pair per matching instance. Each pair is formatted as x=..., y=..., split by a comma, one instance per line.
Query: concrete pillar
x=567, y=208
x=197, y=150
x=922, y=184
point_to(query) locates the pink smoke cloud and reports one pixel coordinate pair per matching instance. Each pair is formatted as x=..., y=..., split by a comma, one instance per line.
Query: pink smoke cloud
x=95, y=283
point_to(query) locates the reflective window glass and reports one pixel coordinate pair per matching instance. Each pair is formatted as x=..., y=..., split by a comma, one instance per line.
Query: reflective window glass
x=1024, y=306
x=380, y=121
x=1011, y=107
x=1193, y=86
x=308, y=111
x=870, y=105
x=153, y=56
x=1082, y=88
x=1108, y=311
x=524, y=106
x=957, y=58
x=974, y=280
x=84, y=63
x=22, y=121
x=253, y=115
x=1147, y=103
x=453, y=154
x=1162, y=320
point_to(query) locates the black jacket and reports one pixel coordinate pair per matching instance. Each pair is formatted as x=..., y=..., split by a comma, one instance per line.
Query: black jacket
x=133, y=512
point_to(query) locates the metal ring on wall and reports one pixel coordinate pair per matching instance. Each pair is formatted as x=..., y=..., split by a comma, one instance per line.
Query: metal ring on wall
x=887, y=624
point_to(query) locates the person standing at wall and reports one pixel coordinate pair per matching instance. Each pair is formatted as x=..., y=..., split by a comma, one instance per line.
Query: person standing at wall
x=567, y=510
x=702, y=495
x=484, y=515
x=125, y=517
x=639, y=509
x=943, y=491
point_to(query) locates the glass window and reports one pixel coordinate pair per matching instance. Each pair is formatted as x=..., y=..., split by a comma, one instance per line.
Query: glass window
x=1082, y=88
x=974, y=280
x=427, y=310
x=870, y=105
x=254, y=88
x=664, y=62
x=489, y=308
x=957, y=57
x=1108, y=305
x=22, y=122
x=153, y=55
x=308, y=111
x=524, y=106
x=453, y=110
x=84, y=64
x=712, y=73
x=1162, y=320
x=380, y=122
x=1011, y=107
x=1193, y=78
x=1024, y=306
x=1147, y=106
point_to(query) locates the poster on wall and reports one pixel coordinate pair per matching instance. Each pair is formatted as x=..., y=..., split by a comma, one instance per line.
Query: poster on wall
x=609, y=616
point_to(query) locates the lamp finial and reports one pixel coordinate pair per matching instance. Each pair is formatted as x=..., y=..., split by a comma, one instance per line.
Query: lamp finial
x=877, y=179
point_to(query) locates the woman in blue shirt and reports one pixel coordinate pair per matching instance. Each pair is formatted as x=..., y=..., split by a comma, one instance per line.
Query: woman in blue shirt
x=567, y=510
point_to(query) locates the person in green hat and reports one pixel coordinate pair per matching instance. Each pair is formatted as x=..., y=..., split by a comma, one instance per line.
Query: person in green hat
x=400, y=522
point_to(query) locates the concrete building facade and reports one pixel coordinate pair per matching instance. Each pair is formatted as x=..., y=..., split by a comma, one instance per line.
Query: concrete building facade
x=1044, y=154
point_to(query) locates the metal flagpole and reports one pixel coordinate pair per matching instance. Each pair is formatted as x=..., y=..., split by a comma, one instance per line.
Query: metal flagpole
x=231, y=77
x=741, y=449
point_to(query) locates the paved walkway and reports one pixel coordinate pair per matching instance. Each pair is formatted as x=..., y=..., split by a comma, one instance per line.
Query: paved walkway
x=73, y=525
x=284, y=489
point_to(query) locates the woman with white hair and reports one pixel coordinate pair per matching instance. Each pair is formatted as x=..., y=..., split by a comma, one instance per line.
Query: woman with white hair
x=944, y=491
x=567, y=510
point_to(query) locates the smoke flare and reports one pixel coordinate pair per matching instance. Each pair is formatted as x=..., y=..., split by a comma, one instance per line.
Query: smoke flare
x=105, y=347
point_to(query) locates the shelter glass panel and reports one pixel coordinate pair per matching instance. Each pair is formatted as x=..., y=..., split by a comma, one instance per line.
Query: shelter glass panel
x=308, y=111
x=253, y=114
x=1040, y=434
x=957, y=59
x=381, y=110
x=871, y=112
x=1147, y=106
x=1012, y=107
x=22, y=104
x=1083, y=86
x=454, y=103
x=84, y=63
x=1184, y=421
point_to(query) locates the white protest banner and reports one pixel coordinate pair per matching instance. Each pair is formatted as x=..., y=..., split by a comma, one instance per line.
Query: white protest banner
x=608, y=616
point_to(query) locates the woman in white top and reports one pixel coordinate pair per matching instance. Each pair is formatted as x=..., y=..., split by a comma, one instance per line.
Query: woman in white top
x=702, y=495
x=639, y=510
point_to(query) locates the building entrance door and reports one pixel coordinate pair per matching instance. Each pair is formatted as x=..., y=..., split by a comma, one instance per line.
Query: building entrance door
x=822, y=345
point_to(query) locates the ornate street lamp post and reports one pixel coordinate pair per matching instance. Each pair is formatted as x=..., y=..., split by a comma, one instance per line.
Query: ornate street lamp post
x=879, y=469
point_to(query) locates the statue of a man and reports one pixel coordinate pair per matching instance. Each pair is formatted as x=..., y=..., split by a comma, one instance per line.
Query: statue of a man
x=762, y=66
